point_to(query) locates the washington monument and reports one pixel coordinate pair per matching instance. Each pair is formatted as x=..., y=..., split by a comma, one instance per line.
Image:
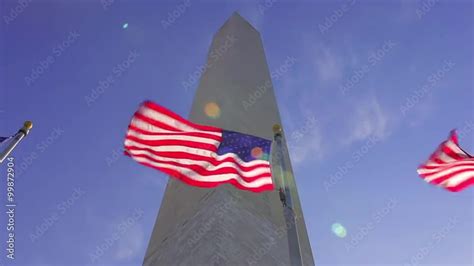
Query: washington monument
x=224, y=225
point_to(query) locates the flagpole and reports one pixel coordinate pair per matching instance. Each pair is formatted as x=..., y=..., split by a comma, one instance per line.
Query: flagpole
x=16, y=139
x=290, y=219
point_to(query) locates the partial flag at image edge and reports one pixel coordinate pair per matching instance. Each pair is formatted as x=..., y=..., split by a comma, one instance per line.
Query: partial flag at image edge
x=449, y=167
x=3, y=139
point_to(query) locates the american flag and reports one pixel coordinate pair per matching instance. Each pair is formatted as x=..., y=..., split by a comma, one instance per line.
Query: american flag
x=2, y=139
x=449, y=166
x=198, y=155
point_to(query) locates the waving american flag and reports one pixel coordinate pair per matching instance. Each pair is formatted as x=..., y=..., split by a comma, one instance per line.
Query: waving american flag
x=199, y=155
x=449, y=166
x=2, y=139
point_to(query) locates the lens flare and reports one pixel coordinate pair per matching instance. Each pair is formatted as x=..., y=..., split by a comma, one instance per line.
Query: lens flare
x=124, y=26
x=339, y=230
x=212, y=110
x=257, y=152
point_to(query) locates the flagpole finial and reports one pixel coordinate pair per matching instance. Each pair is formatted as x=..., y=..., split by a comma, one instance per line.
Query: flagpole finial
x=28, y=125
x=15, y=140
x=277, y=129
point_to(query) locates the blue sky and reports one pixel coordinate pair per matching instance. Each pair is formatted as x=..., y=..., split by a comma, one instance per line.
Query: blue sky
x=373, y=89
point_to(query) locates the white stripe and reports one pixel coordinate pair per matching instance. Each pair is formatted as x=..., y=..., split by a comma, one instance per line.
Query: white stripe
x=458, y=179
x=173, y=137
x=196, y=151
x=212, y=178
x=208, y=166
x=432, y=163
x=149, y=127
x=444, y=157
x=171, y=148
x=448, y=171
x=422, y=170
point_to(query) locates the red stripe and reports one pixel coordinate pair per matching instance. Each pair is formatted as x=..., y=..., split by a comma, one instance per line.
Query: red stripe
x=203, y=171
x=173, y=115
x=461, y=185
x=447, y=165
x=435, y=154
x=191, y=134
x=184, y=155
x=452, y=153
x=454, y=137
x=155, y=123
x=171, y=142
x=206, y=184
x=437, y=160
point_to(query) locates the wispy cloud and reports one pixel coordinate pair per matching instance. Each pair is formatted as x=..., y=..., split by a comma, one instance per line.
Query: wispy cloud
x=328, y=64
x=353, y=118
x=368, y=120
x=421, y=113
x=302, y=125
x=308, y=148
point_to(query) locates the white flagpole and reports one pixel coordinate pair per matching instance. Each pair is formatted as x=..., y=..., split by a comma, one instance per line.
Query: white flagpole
x=16, y=139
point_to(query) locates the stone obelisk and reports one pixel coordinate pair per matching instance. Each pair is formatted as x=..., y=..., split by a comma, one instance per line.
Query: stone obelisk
x=224, y=225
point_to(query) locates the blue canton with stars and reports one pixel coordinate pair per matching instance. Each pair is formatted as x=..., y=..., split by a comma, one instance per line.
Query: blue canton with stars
x=242, y=145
